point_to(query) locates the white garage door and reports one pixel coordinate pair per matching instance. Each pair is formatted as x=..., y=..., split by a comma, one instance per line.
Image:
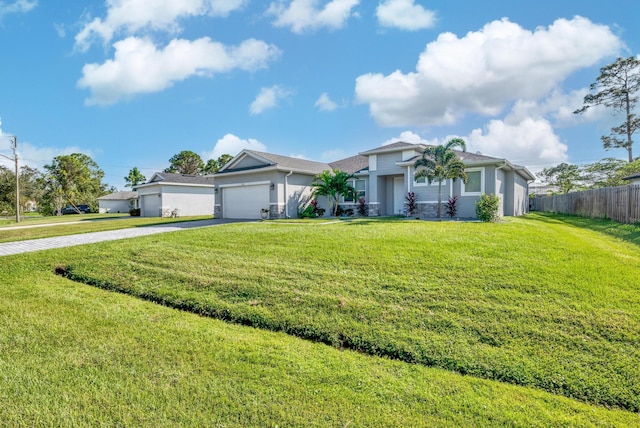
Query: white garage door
x=150, y=205
x=245, y=201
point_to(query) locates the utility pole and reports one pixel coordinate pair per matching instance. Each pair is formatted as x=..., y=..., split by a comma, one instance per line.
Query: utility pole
x=14, y=147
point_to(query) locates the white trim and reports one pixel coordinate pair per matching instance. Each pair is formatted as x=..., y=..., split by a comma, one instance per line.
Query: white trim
x=252, y=183
x=162, y=183
x=463, y=192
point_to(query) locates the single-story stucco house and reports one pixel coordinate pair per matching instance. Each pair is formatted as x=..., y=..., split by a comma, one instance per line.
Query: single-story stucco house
x=118, y=202
x=167, y=194
x=384, y=176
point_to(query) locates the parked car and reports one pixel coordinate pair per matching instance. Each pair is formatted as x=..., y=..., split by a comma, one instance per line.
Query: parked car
x=81, y=209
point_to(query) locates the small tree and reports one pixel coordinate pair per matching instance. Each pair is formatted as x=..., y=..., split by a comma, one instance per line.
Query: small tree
x=441, y=163
x=617, y=86
x=565, y=177
x=333, y=186
x=134, y=178
x=186, y=162
x=215, y=165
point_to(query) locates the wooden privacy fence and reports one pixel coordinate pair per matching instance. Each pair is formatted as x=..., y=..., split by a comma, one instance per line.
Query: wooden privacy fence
x=621, y=204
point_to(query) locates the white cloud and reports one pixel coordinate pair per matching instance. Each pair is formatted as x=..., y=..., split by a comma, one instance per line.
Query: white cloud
x=410, y=137
x=33, y=156
x=232, y=145
x=18, y=6
x=324, y=103
x=530, y=142
x=484, y=70
x=559, y=107
x=268, y=98
x=305, y=15
x=405, y=15
x=139, y=66
x=130, y=16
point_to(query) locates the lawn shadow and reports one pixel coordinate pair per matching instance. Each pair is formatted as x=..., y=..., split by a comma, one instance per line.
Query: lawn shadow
x=627, y=232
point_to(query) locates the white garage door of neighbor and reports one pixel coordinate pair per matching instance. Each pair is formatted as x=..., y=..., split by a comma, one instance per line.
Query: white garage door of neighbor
x=150, y=205
x=245, y=201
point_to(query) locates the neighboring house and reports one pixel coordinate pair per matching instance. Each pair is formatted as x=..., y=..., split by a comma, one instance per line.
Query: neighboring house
x=383, y=176
x=118, y=202
x=633, y=179
x=542, y=189
x=167, y=194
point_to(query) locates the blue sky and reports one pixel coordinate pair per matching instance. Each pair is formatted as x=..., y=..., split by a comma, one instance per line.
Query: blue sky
x=133, y=82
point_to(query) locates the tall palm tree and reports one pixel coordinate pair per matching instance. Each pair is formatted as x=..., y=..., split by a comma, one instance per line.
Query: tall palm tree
x=441, y=162
x=333, y=185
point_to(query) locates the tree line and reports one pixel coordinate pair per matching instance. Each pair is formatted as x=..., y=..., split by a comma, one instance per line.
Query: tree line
x=616, y=88
x=77, y=179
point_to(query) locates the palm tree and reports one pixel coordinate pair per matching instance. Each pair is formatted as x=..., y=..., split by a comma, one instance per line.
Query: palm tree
x=441, y=162
x=333, y=185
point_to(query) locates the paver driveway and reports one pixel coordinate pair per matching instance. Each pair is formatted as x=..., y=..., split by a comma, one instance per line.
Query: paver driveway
x=9, y=248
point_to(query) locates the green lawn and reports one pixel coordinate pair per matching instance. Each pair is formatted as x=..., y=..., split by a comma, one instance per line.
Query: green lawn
x=533, y=301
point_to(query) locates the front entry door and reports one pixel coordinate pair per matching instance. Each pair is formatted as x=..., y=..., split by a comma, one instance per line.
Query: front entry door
x=398, y=195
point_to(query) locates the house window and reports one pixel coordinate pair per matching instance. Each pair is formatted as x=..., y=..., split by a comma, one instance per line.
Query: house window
x=361, y=190
x=422, y=181
x=475, y=182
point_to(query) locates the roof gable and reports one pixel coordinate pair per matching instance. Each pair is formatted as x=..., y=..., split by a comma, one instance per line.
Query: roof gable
x=251, y=159
x=395, y=147
x=168, y=177
x=352, y=164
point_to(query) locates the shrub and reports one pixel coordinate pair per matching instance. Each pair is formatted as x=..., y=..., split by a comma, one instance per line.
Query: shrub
x=349, y=212
x=308, y=212
x=411, y=203
x=362, y=207
x=452, y=207
x=134, y=212
x=487, y=207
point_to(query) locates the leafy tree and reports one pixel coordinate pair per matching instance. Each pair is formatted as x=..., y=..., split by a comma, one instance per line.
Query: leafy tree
x=441, y=163
x=565, y=177
x=333, y=185
x=215, y=165
x=617, y=86
x=625, y=171
x=29, y=188
x=72, y=179
x=601, y=173
x=186, y=162
x=134, y=178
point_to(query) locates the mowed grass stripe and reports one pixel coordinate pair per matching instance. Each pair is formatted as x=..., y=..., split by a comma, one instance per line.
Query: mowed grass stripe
x=533, y=301
x=72, y=355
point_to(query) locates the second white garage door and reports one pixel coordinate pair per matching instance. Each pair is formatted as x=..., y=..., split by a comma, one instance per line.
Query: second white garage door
x=244, y=201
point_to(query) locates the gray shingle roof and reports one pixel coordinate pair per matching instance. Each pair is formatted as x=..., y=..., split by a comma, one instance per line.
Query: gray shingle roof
x=119, y=196
x=352, y=164
x=168, y=177
x=394, y=146
x=293, y=163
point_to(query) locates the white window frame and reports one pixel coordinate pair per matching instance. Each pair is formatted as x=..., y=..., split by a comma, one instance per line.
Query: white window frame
x=464, y=191
x=353, y=183
x=426, y=182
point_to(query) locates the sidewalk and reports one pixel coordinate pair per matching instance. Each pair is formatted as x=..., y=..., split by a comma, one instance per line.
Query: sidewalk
x=19, y=247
